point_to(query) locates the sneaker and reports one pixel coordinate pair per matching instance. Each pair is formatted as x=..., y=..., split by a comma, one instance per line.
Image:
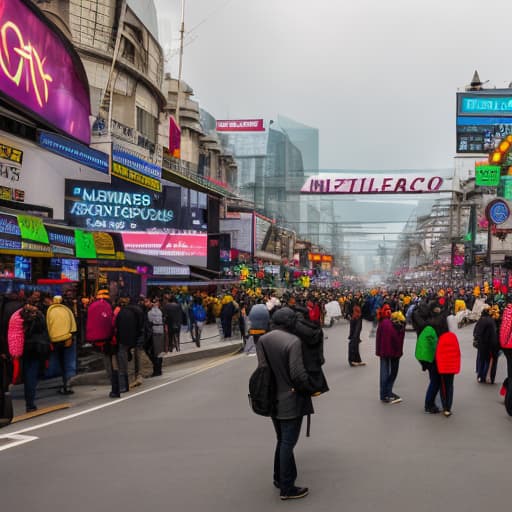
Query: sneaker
x=386, y=400
x=432, y=410
x=395, y=399
x=295, y=493
x=447, y=413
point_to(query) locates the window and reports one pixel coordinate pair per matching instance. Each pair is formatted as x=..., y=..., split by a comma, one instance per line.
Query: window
x=128, y=51
x=146, y=124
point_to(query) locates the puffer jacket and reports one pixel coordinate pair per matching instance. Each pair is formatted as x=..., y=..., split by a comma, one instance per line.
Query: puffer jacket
x=448, y=354
x=389, y=342
x=61, y=323
x=16, y=334
x=99, y=326
x=506, y=328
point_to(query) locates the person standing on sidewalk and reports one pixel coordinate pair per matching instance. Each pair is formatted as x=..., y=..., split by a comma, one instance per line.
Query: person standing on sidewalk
x=156, y=327
x=198, y=317
x=173, y=316
x=356, y=324
x=61, y=328
x=282, y=351
x=389, y=342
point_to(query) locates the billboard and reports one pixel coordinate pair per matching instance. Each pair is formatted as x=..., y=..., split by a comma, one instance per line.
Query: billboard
x=240, y=125
x=167, y=244
x=484, y=118
x=368, y=184
x=40, y=72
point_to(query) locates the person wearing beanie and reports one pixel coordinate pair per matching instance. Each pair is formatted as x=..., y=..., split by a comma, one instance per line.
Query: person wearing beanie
x=281, y=350
x=389, y=342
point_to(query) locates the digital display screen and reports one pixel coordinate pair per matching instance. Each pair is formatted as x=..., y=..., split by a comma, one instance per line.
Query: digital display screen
x=65, y=269
x=22, y=268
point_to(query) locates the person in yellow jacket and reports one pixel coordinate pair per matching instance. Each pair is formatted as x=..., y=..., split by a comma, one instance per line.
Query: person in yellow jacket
x=61, y=324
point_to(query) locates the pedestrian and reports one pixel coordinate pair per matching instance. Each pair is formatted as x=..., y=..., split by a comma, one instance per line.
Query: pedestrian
x=282, y=351
x=61, y=329
x=354, y=336
x=259, y=324
x=198, y=317
x=389, y=341
x=506, y=345
x=485, y=339
x=156, y=331
x=448, y=365
x=173, y=316
x=227, y=312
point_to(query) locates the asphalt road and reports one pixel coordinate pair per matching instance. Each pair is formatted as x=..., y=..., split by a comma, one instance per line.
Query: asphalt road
x=192, y=444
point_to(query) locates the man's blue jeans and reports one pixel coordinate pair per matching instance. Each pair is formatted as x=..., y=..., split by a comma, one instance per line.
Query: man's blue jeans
x=31, y=369
x=285, y=470
x=433, y=386
x=388, y=373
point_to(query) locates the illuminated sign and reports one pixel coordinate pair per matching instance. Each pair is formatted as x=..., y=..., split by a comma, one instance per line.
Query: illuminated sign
x=162, y=244
x=484, y=118
x=487, y=175
x=122, y=157
x=498, y=211
x=40, y=71
x=123, y=207
x=10, y=153
x=241, y=125
x=347, y=184
x=72, y=150
x=124, y=173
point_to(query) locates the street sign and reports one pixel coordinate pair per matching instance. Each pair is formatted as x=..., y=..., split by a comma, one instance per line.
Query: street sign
x=487, y=175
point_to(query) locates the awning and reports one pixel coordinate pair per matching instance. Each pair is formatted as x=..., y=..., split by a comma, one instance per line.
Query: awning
x=160, y=267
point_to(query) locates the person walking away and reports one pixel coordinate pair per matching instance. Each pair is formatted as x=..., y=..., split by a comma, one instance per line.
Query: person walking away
x=485, y=338
x=282, y=352
x=99, y=332
x=61, y=328
x=173, y=316
x=389, y=343
x=156, y=326
x=226, y=316
x=448, y=365
x=198, y=317
x=29, y=346
x=259, y=324
x=354, y=336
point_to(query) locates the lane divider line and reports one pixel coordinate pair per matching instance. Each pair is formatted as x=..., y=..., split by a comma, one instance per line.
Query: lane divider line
x=17, y=440
x=116, y=401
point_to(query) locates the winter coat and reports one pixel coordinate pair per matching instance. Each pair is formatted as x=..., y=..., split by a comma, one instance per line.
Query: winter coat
x=506, y=328
x=99, y=326
x=448, y=354
x=129, y=325
x=426, y=345
x=16, y=334
x=61, y=323
x=293, y=391
x=227, y=311
x=156, y=320
x=173, y=315
x=485, y=334
x=389, y=342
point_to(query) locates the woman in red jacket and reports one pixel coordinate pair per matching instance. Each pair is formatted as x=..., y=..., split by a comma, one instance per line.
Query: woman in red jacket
x=448, y=365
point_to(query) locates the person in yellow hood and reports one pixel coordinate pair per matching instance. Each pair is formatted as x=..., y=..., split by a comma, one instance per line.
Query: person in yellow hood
x=61, y=324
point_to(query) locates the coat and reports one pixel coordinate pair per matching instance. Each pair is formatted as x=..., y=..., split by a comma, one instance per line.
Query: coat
x=389, y=342
x=506, y=328
x=293, y=390
x=61, y=323
x=426, y=345
x=129, y=325
x=16, y=334
x=99, y=322
x=448, y=354
x=486, y=335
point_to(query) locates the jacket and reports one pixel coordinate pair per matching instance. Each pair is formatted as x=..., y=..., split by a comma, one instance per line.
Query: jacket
x=293, y=390
x=61, y=322
x=99, y=321
x=129, y=325
x=156, y=320
x=173, y=315
x=448, y=354
x=16, y=334
x=485, y=334
x=389, y=342
x=506, y=328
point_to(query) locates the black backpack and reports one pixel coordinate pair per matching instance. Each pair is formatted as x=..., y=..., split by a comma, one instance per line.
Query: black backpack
x=262, y=389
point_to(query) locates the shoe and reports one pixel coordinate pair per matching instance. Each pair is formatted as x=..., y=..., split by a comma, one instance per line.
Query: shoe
x=64, y=390
x=31, y=408
x=447, y=413
x=295, y=493
x=395, y=399
x=432, y=410
x=386, y=400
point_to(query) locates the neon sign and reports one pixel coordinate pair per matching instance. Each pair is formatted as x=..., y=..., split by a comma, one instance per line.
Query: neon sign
x=41, y=72
x=34, y=67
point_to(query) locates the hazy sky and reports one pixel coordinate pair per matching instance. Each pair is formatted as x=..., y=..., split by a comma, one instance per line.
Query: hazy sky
x=378, y=78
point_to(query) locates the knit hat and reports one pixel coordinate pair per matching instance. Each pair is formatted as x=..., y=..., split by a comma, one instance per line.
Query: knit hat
x=57, y=299
x=397, y=317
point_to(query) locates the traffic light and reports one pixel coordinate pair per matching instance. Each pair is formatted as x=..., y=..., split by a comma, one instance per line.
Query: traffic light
x=498, y=155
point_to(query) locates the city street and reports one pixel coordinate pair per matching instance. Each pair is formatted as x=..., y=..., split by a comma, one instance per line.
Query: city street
x=192, y=444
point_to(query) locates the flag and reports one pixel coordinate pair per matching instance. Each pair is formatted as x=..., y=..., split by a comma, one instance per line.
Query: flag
x=174, y=138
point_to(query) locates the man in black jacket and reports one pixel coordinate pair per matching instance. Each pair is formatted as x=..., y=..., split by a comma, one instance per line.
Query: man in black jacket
x=282, y=350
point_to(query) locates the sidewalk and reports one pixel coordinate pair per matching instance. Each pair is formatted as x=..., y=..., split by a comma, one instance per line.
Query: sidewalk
x=93, y=385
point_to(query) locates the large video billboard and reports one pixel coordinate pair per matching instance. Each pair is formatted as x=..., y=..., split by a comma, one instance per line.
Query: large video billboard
x=40, y=72
x=484, y=118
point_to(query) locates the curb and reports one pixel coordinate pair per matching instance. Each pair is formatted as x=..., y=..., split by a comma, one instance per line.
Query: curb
x=100, y=377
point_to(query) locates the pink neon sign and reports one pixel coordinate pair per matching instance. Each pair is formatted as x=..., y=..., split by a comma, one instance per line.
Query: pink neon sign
x=40, y=72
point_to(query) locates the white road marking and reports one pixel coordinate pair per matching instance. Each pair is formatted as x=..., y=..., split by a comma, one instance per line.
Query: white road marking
x=17, y=440
x=201, y=369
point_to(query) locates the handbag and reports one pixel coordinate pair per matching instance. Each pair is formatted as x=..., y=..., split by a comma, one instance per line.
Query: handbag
x=6, y=409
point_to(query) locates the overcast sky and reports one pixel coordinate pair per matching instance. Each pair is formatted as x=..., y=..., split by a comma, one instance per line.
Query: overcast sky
x=377, y=78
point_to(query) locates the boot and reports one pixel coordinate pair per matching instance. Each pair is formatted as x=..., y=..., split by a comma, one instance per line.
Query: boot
x=124, y=385
x=115, y=385
x=157, y=367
